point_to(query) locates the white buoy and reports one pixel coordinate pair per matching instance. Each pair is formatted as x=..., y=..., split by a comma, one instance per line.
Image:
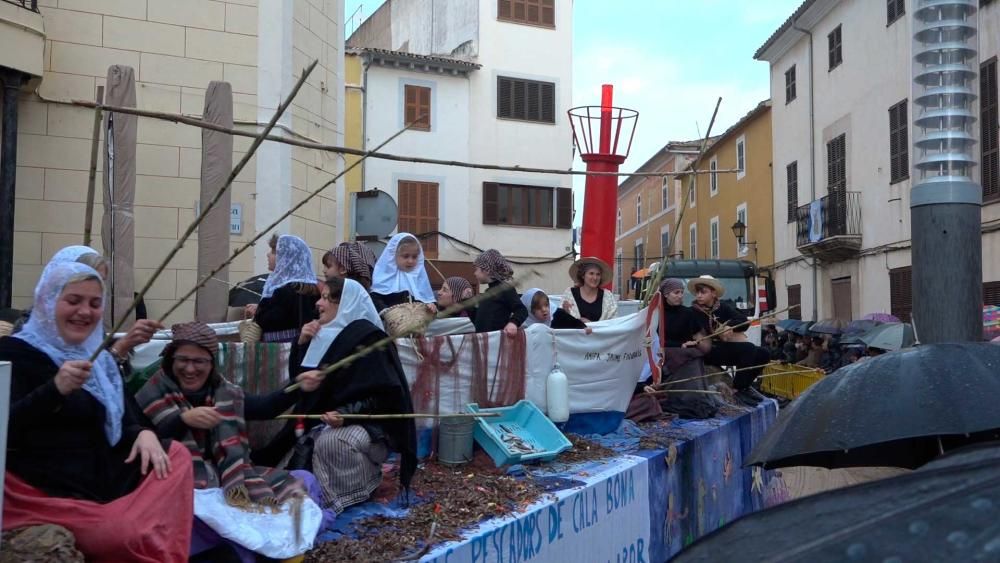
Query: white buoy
x=557, y=395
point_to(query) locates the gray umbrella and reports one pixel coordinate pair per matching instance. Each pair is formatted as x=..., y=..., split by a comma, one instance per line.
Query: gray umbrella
x=891, y=337
x=898, y=409
x=948, y=510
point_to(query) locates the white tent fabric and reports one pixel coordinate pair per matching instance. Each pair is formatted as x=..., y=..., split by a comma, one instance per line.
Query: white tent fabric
x=118, y=222
x=212, y=298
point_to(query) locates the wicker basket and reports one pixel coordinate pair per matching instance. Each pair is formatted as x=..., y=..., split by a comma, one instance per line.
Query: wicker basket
x=250, y=331
x=6, y=328
x=406, y=319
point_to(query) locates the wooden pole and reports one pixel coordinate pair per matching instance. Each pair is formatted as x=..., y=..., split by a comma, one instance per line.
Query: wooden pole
x=392, y=416
x=207, y=208
x=88, y=223
x=726, y=328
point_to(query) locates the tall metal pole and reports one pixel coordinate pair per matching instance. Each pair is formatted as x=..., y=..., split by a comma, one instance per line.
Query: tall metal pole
x=946, y=199
x=12, y=81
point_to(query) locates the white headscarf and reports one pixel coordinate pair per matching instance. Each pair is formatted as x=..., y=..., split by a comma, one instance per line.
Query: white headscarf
x=387, y=277
x=355, y=304
x=72, y=254
x=105, y=383
x=293, y=263
x=532, y=319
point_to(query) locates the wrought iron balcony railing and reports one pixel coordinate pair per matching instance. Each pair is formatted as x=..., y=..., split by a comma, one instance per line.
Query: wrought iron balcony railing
x=835, y=215
x=26, y=4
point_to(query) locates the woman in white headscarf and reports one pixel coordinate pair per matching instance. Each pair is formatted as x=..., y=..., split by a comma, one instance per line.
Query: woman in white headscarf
x=287, y=301
x=348, y=454
x=399, y=275
x=541, y=311
x=76, y=446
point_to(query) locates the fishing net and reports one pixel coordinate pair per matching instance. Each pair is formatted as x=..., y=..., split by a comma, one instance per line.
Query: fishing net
x=507, y=384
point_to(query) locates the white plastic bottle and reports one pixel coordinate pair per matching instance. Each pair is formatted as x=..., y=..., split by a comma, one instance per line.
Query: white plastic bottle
x=557, y=395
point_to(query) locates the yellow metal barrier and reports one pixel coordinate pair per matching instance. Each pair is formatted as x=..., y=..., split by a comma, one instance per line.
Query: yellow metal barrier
x=789, y=380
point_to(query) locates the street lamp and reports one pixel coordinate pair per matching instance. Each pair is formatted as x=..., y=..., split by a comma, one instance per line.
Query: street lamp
x=740, y=231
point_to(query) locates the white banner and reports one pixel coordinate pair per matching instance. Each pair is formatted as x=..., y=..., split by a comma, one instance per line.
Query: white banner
x=607, y=520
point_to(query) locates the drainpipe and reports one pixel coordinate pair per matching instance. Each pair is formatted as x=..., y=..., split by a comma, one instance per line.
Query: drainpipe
x=12, y=81
x=812, y=162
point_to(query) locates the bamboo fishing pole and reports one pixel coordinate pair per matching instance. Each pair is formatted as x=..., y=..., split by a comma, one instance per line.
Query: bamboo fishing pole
x=208, y=208
x=391, y=416
x=726, y=328
x=417, y=327
x=263, y=232
x=666, y=391
x=693, y=170
x=707, y=375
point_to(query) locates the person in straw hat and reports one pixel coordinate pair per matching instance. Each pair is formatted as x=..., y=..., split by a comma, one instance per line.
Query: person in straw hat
x=586, y=300
x=714, y=315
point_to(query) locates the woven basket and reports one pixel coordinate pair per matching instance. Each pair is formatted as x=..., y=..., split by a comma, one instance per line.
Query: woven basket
x=250, y=331
x=406, y=319
x=6, y=328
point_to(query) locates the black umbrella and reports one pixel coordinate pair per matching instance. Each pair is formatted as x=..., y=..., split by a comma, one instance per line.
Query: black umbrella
x=948, y=510
x=788, y=324
x=899, y=409
x=247, y=292
x=828, y=326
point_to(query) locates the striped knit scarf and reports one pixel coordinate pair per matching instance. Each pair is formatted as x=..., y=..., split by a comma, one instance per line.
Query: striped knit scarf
x=245, y=486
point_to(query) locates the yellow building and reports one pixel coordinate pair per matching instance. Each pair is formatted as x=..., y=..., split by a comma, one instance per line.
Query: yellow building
x=650, y=209
x=354, y=119
x=719, y=200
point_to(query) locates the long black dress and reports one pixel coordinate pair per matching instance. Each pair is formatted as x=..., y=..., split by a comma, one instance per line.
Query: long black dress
x=376, y=381
x=57, y=442
x=282, y=315
x=503, y=307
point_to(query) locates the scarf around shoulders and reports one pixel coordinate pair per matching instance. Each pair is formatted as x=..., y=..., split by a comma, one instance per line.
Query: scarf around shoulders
x=244, y=485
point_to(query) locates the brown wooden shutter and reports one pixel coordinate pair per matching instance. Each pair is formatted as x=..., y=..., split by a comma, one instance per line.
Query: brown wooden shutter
x=424, y=107
x=564, y=208
x=505, y=97
x=792, y=180
x=417, y=107
x=504, y=8
x=795, y=298
x=490, y=203
x=901, y=293
x=548, y=12
x=548, y=109
x=410, y=102
x=991, y=293
x=418, y=212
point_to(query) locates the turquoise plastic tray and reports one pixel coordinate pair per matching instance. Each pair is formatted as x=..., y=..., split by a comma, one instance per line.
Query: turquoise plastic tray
x=521, y=433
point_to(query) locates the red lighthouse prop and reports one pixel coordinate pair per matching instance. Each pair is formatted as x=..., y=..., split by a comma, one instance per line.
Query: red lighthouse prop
x=615, y=128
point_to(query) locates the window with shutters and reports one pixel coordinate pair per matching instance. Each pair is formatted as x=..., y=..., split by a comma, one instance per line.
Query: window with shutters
x=665, y=241
x=619, y=223
x=531, y=12
x=894, y=9
x=640, y=254
x=790, y=85
x=638, y=209
x=834, y=43
x=418, y=212
x=990, y=131
x=527, y=206
x=713, y=176
x=713, y=237
x=901, y=293
x=794, y=301
x=836, y=178
x=417, y=110
x=899, y=144
x=792, y=180
x=526, y=100
x=991, y=293
x=693, y=241
x=619, y=273
x=665, y=193
x=741, y=157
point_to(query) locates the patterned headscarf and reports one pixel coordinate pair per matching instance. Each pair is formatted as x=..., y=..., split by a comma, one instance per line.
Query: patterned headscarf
x=671, y=284
x=355, y=304
x=458, y=285
x=293, y=264
x=367, y=255
x=350, y=259
x=495, y=265
x=198, y=333
x=388, y=278
x=42, y=332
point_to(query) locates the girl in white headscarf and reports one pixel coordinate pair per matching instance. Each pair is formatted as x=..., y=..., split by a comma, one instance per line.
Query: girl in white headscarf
x=75, y=443
x=399, y=275
x=289, y=295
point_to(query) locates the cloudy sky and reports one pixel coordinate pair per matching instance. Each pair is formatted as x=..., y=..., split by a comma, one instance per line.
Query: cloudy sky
x=668, y=59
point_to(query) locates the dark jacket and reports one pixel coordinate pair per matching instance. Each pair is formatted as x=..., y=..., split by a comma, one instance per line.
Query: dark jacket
x=56, y=442
x=726, y=312
x=680, y=325
x=493, y=313
x=287, y=309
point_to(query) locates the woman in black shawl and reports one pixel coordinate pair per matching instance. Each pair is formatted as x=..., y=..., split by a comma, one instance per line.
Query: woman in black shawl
x=348, y=455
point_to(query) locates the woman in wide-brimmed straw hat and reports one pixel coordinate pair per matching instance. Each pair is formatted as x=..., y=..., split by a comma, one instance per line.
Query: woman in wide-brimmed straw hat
x=586, y=300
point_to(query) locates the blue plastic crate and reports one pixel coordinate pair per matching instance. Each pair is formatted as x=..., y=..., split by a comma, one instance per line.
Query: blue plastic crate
x=521, y=433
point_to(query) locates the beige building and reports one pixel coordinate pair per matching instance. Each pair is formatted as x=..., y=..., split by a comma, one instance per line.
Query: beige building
x=647, y=212
x=175, y=47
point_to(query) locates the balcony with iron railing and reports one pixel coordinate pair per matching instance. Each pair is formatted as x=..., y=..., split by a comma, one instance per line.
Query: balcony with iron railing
x=22, y=38
x=829, y=229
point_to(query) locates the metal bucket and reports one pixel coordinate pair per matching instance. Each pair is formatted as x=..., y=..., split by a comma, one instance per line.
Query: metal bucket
x=455, y=440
